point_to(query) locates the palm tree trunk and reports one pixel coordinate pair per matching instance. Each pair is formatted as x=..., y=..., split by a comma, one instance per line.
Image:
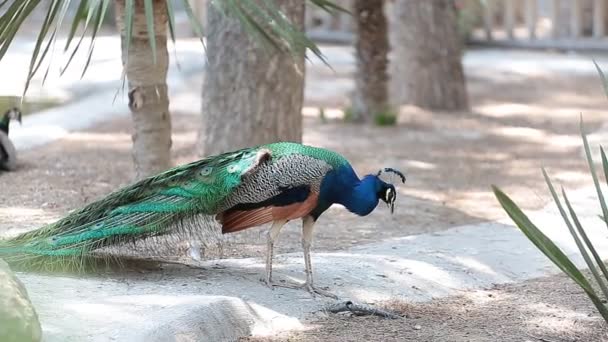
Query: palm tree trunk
x=252, y=94
x=428, y=68
x=148, y=98
x=371, y=80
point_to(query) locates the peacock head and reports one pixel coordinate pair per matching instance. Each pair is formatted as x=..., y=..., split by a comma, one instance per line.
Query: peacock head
x=386, y=191
x=11, y=114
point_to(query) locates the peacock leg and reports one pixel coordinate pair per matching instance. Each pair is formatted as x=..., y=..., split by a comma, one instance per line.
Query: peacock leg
x=273, y=234
x=308, y=224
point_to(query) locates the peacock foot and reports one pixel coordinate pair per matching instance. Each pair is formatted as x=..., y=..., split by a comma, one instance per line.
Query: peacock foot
x=269, y=283
x=272, y=284
x=313, y=290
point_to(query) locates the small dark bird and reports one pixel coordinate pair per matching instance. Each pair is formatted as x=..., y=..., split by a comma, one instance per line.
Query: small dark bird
x=8, y=153
x=272, y=183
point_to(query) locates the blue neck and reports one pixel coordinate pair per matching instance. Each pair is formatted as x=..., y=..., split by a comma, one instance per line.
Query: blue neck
x=362, y=198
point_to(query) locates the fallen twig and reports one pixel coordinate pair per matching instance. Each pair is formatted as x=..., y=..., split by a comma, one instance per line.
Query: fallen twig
x=361, y=310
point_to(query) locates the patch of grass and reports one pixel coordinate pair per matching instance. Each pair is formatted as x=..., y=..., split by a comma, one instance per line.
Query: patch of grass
x=349, y=114
x=385, y=117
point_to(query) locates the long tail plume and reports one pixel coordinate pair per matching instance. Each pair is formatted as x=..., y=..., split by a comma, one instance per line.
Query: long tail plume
x=182, y=201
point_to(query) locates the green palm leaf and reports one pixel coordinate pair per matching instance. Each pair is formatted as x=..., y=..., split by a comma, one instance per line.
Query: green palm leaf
x=547, y=247
x=602, y=77
x=261, y=18
x=150, y=24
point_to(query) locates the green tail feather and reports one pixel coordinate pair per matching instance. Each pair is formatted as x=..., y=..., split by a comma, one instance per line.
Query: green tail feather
x=182, y=200
x=151, y=207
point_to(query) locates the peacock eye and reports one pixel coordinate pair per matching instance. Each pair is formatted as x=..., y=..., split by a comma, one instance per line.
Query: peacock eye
x=206, y=171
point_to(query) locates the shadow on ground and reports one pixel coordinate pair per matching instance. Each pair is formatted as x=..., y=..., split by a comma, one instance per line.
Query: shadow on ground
x=546, y=309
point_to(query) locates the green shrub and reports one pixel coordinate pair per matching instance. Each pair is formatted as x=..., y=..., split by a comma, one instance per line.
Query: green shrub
x=349, y=115
x=385, y=118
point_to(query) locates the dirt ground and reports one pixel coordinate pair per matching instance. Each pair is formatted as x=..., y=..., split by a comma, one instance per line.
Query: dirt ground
x=517, y=125
x=550, y=309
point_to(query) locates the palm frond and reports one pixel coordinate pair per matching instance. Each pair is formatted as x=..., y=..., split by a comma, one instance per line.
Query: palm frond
x=261, y=18
x=329, y=6
x=149, y=8
x=602, y=77
x=266, y=22
x=197, y=27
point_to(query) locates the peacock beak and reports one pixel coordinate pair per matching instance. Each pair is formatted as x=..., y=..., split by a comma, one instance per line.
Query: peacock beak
x=389, y=198
x=391, y=205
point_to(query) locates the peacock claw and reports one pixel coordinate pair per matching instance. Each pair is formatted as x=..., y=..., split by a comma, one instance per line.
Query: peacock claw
x=268, y=283
x=309, y=287
x=312, y=290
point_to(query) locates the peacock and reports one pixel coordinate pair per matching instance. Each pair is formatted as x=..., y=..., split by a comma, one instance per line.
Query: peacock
x=8, y=153
x=273, y=183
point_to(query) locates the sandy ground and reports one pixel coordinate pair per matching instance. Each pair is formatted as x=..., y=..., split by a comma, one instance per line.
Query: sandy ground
x=543, y=310
x=517, y=125
x=451, y=159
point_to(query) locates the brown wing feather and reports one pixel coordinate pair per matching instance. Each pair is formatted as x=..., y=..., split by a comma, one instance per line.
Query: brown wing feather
x=237, y=220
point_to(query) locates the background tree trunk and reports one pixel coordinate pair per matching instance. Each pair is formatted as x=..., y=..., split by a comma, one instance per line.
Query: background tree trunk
x=371, y=80
x=427, y=67
x=252, y=94
x=148, y=97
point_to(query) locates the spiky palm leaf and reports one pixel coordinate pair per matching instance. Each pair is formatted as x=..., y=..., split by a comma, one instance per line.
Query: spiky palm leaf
x=584, y=244
x=262, y=18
